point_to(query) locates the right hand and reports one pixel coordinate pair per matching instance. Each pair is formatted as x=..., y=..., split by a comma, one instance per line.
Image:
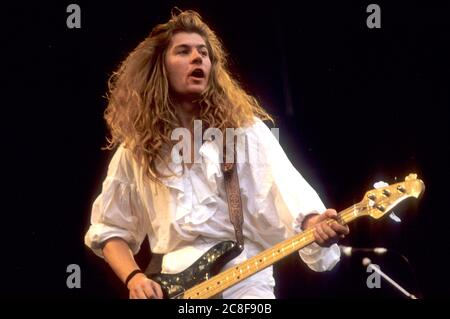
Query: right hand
x=141, y=287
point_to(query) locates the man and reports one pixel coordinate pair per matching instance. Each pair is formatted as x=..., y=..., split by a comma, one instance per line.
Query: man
x=175, y=76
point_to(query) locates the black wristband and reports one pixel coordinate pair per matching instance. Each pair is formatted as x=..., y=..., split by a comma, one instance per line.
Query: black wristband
x=132, y=274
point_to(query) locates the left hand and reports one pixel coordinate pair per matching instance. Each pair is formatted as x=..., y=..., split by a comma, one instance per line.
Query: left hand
x=326, y=235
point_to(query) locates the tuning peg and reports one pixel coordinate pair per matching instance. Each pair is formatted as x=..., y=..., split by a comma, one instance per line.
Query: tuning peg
x=401, y=189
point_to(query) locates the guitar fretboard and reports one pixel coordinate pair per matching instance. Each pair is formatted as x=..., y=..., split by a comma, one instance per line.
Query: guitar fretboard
x=232, y=276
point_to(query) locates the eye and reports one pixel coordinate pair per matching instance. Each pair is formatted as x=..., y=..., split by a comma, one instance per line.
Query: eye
x=184, y=51
x=204, y=53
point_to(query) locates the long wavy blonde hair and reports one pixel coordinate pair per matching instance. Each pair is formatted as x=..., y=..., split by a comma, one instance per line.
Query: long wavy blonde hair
x=140, y=114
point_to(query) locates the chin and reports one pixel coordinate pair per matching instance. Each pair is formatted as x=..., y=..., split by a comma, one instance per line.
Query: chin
x=197, y=91
x=191, y=92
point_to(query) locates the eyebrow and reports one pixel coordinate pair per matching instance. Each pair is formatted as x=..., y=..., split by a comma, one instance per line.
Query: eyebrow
x=199, y=46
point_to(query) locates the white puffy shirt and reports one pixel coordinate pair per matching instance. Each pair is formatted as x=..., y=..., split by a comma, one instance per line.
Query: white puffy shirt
x=189, y=213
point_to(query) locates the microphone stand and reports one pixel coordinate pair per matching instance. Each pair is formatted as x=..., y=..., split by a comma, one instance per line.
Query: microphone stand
x=367, y=262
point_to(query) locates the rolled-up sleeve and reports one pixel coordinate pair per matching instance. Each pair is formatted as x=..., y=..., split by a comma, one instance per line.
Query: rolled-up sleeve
x=293, y=198
x=117, y=212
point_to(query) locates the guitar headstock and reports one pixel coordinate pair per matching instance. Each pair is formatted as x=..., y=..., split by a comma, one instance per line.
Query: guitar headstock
x=380, y=201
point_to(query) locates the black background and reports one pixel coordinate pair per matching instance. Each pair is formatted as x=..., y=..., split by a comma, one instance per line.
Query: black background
x=354, y=106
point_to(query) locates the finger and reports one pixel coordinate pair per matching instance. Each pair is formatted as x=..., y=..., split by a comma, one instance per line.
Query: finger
x=345, y=230
x=317, y=237
x=133, y=294
x=149, y=290
x=139, y=293
x=321, y=233
x=330, y=213
x=329, y=231
x=320, y=218
x=340, y=229
x=157, y=289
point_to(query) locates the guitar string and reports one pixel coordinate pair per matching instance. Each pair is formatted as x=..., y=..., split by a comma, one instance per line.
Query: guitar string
x=210, y=290
x=350, y=211
x=207, y=288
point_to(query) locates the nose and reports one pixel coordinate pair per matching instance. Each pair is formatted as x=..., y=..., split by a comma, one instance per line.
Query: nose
x=196, y=57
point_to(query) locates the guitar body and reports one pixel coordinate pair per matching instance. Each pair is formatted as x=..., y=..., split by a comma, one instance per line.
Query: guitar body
x=208, y=265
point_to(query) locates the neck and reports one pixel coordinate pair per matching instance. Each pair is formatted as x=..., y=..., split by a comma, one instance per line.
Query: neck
x=187, y=111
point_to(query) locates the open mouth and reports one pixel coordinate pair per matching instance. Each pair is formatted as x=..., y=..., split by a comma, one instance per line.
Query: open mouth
x=198, y=73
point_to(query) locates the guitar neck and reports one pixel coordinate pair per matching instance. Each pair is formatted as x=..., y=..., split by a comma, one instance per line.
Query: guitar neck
x=232, y=276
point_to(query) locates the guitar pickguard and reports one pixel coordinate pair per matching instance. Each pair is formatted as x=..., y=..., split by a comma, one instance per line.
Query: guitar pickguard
x=208, y=265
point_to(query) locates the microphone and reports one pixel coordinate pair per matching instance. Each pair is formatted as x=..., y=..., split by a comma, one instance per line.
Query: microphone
x=348, y=250
x=368, y=263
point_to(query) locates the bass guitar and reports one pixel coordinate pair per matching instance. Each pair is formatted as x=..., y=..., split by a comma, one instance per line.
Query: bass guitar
x=203, y=278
